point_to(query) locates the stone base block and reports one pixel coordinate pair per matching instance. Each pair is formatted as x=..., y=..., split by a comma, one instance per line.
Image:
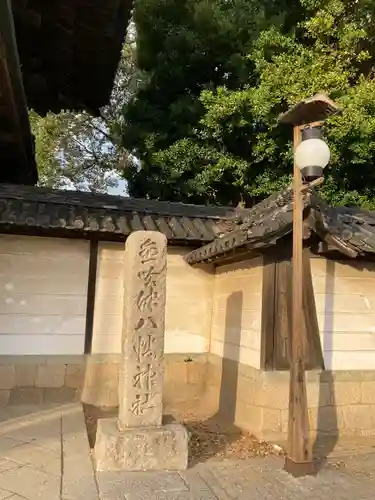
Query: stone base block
x=140, y=449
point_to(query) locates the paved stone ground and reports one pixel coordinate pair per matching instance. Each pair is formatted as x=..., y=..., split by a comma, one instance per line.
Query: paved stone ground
x=254, y=479
x=44, y=454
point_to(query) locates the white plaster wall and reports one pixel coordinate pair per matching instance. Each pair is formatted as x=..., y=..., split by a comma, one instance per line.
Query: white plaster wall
x=109, y=295
x=345, y=302
x=237, y=312
x=43, y=293
x=188, y=304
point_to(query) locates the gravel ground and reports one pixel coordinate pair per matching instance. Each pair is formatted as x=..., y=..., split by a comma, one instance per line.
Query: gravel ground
x=210, y=439
x=213, y=441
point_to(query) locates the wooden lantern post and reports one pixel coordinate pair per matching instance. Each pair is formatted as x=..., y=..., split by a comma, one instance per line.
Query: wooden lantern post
x=299, y=460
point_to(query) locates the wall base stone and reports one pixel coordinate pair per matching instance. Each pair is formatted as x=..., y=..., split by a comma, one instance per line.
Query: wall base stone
x=92, y=379
x=341, y=403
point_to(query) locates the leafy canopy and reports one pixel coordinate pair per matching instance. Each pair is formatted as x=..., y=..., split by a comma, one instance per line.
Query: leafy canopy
x=216, y=75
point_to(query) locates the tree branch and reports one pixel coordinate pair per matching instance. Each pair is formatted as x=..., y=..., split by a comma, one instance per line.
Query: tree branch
x=105, y=134
x=90, y=152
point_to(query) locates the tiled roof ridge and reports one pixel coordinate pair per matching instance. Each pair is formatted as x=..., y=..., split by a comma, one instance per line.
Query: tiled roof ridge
x=114, y=202
x=350, y=230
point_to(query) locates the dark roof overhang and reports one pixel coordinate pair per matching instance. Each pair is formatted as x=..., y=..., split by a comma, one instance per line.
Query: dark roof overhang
x=17, y=162
x=351, y=231
x=69, y=51
x=54, y=55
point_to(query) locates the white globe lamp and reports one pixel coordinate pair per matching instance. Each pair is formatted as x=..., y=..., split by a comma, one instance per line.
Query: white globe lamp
x=312, y=155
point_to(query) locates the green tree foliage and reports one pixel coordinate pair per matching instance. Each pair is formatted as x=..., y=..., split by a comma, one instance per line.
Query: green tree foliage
x=215, y=77
x=77, y=150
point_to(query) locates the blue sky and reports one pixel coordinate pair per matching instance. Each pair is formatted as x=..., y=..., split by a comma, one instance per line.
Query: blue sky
x=120, y=190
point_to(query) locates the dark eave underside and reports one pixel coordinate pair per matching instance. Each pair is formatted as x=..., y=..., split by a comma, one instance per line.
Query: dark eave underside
x=74, y=212
x=17, y=162
x=54, y=55
x=69, y=51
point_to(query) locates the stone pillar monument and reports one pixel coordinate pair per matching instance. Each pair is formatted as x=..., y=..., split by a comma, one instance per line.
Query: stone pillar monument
x=138, y=440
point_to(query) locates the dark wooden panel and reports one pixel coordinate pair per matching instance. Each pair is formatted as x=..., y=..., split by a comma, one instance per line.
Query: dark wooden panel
x=278, y=348
x=93, y=265
x=268, y=312
x=283, y=315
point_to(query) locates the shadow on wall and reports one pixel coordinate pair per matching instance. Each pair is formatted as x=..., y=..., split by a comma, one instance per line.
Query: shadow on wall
x=222, y=424
x=327, y=425
x=231, y=357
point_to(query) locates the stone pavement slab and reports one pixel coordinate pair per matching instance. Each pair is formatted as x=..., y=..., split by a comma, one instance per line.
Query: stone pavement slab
x=44, y=453
x=31, y=483
x=30, y=454
x=253, y=479
x=78, y=478
x=120, y=485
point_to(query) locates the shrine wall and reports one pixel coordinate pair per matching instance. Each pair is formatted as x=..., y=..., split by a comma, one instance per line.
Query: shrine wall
x=188, y=307
x=187, y=327
x=341, y=399
x=64, y=374
x=237, y=312
x=345, y=303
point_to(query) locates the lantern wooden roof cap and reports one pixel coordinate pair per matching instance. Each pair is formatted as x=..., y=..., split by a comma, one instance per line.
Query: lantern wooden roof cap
x=314, y=109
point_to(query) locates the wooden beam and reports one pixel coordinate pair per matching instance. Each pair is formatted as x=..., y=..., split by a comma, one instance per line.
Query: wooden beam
x=232, y=257
x=91, y=288
x=283, y=313
x=299, y=460
x=268, y=311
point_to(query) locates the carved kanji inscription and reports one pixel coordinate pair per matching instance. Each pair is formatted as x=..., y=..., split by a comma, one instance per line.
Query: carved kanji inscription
x=140, y=396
